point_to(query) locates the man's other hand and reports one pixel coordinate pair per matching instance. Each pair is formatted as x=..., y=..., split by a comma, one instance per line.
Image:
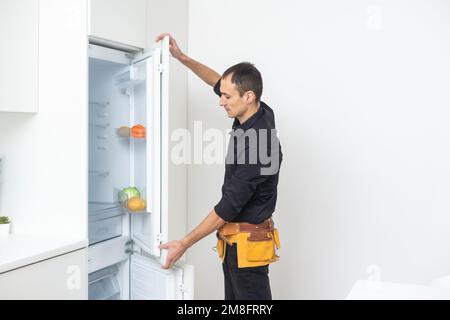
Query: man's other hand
x=175, y=51
x=175, y=250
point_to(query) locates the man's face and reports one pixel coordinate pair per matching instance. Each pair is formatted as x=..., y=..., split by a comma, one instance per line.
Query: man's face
x=230, y=99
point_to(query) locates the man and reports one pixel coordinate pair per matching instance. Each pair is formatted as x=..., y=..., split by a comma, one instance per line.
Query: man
x=246, y=234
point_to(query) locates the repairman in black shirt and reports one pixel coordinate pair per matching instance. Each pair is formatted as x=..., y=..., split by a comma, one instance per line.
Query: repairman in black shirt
x=248, y=193
x=246, y=234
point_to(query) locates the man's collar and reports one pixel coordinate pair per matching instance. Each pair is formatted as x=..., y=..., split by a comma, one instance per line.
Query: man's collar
x=250, y=121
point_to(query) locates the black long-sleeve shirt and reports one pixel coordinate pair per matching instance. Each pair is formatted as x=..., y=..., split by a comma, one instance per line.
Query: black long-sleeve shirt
x=249, y=191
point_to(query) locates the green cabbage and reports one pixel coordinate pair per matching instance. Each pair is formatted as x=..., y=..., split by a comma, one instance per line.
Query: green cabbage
x=128, y=193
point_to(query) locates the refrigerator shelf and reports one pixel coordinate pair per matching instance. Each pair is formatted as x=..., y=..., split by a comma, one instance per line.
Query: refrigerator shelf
x=104, y=208
x=105, y=221
x=128, y=84
x=99, y=173
x=125, y=80
x=99, y=125
x=110, y=209
x=105, y=229
x=103, y=115
x=99, y=104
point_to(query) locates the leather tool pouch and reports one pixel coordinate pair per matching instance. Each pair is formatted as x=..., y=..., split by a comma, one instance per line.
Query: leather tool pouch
x=261, y=246
x=255, y=247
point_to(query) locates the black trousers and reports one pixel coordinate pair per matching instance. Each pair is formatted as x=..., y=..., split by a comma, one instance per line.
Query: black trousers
x=244, y=283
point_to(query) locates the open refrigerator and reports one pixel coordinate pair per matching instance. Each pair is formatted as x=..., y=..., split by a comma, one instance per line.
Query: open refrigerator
x=129, y=122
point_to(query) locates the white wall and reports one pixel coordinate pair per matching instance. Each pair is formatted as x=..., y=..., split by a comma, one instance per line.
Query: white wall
x=43, y=173
x=167, y=16
x=360, y=93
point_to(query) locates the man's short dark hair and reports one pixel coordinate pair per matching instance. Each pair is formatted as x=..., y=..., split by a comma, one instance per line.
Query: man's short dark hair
x=246, y=78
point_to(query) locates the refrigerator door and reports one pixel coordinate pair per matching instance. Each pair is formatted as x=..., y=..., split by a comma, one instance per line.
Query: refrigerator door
x=150, y=282
x=165, y=191
x=145, y=171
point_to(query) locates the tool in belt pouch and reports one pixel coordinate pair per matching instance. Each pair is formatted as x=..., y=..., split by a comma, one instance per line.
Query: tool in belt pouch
x=255, y=242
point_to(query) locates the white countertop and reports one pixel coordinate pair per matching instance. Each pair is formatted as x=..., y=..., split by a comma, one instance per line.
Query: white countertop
x=20, y=250
x=370, y=290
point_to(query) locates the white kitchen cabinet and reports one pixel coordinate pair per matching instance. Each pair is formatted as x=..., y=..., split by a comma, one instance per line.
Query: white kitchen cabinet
x=61, y=277
x=19, y=55
x=119, y=21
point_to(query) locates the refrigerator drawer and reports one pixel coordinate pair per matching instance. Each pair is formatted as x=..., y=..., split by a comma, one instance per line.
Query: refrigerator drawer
x=108, y=253
x=104, y=284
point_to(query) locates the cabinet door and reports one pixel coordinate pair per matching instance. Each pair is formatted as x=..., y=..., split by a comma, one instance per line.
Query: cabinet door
x=118, y=20
x=19, y=55
x=62, y=277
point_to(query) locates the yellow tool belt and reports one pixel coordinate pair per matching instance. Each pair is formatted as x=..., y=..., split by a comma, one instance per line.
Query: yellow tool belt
x=256, y=243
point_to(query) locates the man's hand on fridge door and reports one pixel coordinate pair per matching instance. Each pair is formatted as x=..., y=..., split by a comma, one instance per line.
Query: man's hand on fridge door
x=175, y=250
x=175, y=51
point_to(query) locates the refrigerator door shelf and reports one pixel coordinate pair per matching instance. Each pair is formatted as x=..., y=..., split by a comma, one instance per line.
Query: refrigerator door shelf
x=125, y=135
x=123, y=200
x=127, y=210
x=129, y=84
x=139, y=212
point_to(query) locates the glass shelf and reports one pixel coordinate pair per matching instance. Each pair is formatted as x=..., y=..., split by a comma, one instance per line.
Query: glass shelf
x=105, y=221
x=129, y=83
x=99, y=173
x=105, y=208
x=103, y=115
x=99, y=104
x=99, y=125
x=110, y=209
x=124, y=80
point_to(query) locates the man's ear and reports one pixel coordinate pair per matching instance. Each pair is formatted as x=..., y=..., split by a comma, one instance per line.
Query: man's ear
x=250, y=97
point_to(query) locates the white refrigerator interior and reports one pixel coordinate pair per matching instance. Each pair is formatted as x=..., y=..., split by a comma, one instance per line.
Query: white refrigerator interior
x=128, y=148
